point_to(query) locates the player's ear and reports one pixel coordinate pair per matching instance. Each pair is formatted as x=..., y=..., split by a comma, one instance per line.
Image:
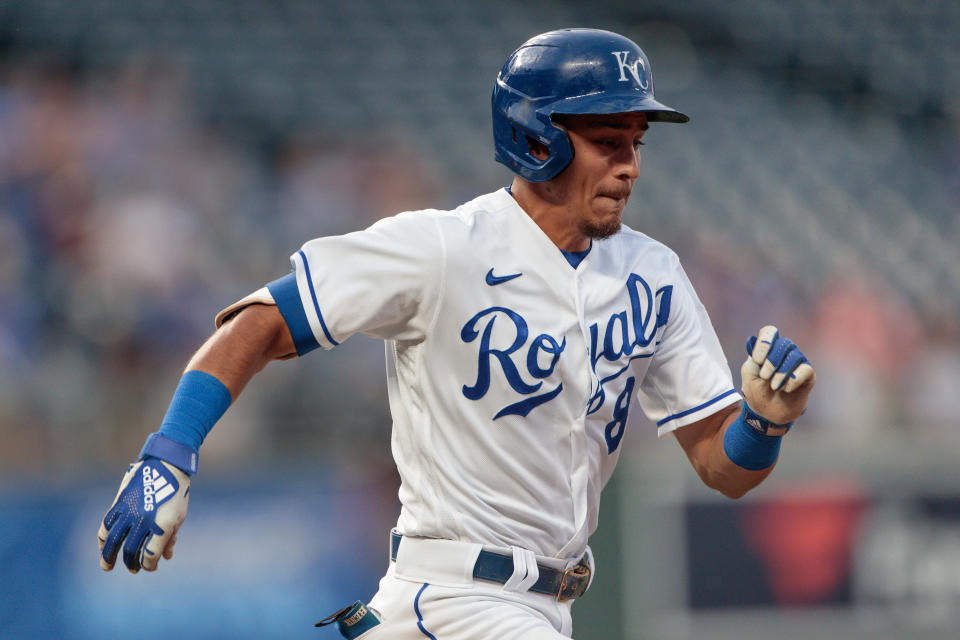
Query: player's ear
x=538, y=150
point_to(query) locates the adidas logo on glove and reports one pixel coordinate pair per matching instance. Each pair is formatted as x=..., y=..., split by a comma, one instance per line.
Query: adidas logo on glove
x=156, y=487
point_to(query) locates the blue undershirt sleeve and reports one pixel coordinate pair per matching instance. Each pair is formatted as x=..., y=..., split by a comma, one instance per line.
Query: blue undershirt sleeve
x=287, y=296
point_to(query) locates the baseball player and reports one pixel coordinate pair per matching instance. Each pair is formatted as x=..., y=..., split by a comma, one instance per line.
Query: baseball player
x=523, y=331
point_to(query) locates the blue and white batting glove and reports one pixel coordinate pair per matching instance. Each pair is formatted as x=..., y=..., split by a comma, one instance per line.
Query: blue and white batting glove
x=778, y=360
x=149, y=508
x=777, y=378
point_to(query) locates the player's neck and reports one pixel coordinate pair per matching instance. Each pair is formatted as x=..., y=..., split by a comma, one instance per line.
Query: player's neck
x=555, y=219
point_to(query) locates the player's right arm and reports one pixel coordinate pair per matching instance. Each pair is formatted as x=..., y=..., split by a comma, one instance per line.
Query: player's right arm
x=243, y=346
x=152, y=501
x=382, y=282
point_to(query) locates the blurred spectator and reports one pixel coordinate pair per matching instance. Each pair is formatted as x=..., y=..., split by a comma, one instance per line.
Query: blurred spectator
x=866, y=339
x=931, y=383
x=733, y=285
x=126, y=224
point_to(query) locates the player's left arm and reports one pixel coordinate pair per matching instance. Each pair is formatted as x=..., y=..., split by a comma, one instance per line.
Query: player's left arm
x=734, y=449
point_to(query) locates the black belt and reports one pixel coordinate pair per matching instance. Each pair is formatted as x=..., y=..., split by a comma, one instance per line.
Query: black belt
x=496, y=567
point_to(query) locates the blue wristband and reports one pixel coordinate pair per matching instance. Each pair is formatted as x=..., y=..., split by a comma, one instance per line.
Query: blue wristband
x=176, y=453
x=753, y=442
x=199, y=401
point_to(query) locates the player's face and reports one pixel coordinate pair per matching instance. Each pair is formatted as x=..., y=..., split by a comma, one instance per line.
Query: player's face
x=606, y=162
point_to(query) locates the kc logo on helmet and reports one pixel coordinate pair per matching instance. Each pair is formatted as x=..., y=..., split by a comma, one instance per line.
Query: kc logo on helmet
x=639, y=74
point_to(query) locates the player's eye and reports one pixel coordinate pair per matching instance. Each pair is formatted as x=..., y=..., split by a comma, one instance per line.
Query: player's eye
x=638, y=143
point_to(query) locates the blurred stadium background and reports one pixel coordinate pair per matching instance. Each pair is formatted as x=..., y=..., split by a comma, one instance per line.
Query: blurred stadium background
x=159, y=160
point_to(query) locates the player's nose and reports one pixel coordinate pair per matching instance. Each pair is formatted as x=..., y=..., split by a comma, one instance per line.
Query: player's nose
x=628, y=165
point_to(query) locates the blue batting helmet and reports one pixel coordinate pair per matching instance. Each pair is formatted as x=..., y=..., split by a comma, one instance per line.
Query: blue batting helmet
x=569, y=71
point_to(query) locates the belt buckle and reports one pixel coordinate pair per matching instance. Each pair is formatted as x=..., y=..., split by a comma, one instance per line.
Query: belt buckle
x=574, y=582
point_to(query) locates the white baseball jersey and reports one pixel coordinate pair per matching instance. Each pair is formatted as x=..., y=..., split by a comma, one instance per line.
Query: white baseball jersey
x=513, y=376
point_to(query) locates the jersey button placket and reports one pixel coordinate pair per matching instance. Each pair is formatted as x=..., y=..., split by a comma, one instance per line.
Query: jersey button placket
x=580, y=462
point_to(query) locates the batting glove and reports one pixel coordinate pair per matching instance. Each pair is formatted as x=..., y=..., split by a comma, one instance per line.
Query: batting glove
x=149, y=508
x=777, y=377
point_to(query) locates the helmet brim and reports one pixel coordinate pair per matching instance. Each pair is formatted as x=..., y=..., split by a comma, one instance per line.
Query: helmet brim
x=606, y=103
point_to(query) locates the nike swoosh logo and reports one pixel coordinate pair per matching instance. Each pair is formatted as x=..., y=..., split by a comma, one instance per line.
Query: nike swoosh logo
x=493, y=280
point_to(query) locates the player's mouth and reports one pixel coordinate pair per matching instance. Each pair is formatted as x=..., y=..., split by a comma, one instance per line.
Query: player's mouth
x=620, y=197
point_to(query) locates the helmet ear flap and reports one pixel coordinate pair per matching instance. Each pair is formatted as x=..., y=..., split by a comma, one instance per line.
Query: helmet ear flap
x=536, y=148
x=515, y=143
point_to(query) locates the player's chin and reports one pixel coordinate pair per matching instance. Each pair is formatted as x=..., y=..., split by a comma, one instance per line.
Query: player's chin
x=606, y=220
x=601, y=228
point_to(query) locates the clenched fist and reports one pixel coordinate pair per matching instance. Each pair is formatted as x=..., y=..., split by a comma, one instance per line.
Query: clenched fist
x=777, y=378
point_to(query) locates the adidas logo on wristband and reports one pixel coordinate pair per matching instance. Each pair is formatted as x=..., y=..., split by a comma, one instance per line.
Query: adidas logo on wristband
x=761, y=425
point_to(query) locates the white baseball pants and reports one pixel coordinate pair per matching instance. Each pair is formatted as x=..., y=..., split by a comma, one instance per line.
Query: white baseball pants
x=429, y=593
